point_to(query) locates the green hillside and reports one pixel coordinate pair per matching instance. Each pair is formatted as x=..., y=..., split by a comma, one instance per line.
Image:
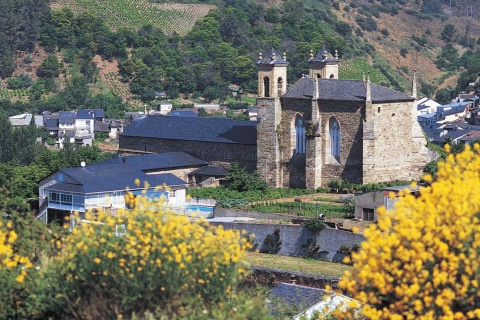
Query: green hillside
x=133, y=14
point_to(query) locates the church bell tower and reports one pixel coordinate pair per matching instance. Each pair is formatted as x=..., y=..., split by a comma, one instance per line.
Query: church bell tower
x=272, y=84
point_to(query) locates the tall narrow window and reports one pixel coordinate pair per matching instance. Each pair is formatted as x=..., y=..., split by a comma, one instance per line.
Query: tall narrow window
x=300, y=142
x=266, y=87
x=334, y=138
x=280, y=86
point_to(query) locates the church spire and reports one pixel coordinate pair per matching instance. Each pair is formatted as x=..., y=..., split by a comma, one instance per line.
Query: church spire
x=368, y=89
x=414, y=85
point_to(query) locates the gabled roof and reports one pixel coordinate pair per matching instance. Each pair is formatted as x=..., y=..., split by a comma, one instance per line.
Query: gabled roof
x=116, y=177
x=90, y=114
x=51, y=124
x=219, y=130
x=454, y=135
x=148, y=162
x=343, y=90
x=66, y=117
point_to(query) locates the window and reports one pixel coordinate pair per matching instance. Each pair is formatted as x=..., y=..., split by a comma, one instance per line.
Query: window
x=266, y=87
x=172, y=194
x=368, y=214
x=300, y=142
x=280, y=86
x=227, y=155
x=334, y=138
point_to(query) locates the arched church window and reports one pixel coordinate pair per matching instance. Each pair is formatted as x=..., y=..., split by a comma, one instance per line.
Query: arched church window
x=334, y=138
x=266, y=87
x=280, y=86
x=300, y=142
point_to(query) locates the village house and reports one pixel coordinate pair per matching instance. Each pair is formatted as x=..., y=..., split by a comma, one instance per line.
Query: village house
x=103, y=185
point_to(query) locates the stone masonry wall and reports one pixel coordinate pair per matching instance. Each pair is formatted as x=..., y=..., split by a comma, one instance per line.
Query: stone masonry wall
x=268, y=151
x=394, y=147
x=350, y=118
x=294, y=236
x=222, y=154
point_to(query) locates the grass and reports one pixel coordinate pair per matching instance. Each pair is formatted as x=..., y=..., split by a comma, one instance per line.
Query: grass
x=297, y=264
x=300, y=209
x=323, y=199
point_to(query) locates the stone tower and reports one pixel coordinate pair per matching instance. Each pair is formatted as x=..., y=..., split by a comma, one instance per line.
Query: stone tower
x=272, y=84
x=323, y=65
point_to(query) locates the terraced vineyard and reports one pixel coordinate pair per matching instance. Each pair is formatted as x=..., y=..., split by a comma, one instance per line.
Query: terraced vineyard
x=14, y=95
x=354, y=68
x=170, y=17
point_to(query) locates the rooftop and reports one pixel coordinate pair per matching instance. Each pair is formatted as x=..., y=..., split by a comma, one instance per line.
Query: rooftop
x=219, y=130
x=343, y=90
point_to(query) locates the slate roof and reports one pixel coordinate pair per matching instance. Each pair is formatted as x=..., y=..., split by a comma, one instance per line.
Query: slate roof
x=67, y=117
x=296, y=298
x=116, y=177
x=343, y=90
x=219, y=130
x=51, y=124
x=90, y=114
x=454, y=135
x=324, y=56
x=272, y=57
x=182, y=113
x=101, y=127
x=210, y=170
x=147, y=162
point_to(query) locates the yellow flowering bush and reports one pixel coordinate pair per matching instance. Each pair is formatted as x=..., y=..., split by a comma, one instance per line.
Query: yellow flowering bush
x=421, y=261
x=142, y=259
x=13, y=271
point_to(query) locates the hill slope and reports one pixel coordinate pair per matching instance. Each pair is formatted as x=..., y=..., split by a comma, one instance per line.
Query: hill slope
x=169, y=17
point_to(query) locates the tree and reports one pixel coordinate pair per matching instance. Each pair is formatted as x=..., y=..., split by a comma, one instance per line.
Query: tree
x=448, y=32
x=50, y=67
x=421, y=260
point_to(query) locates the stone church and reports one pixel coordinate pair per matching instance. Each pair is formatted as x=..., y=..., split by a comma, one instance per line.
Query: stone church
x=322, y=128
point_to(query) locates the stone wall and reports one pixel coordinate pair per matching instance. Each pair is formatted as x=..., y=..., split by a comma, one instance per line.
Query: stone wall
x=294, y=236
x=222, y=154
x=268, y=151
x=395, y=151
x=273, y=277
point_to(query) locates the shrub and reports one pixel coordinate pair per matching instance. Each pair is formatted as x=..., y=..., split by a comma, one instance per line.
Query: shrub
x=421, y=260
x=242, y=180
x=145, y=259
x=28, y=59
x=315, y=225
x=272, y=243
x=14, y=83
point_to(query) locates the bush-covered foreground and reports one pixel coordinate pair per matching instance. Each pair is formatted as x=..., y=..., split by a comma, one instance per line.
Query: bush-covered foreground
x=140, y=263
x=422, y=259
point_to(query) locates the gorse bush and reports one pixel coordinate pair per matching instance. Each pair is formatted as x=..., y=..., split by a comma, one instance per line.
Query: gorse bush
x=129, y=263
x=422, y=259
x=159, y=258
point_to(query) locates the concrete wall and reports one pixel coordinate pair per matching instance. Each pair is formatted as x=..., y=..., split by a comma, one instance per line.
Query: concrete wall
x=370, y=200
x=294, y=236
